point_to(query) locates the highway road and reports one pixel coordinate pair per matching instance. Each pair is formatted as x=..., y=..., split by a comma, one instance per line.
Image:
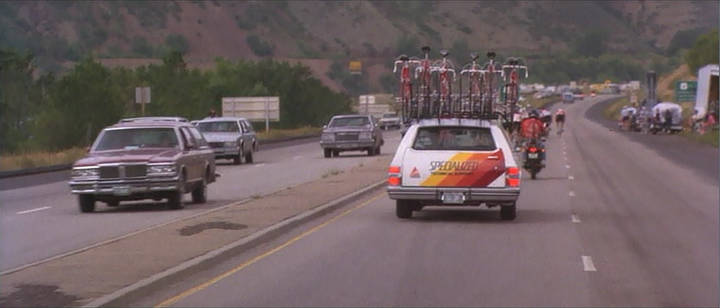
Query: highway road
x=609, y=222
x=40, y=218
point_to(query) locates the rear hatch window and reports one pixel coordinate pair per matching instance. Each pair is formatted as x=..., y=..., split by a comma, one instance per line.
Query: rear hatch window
x=448, y=138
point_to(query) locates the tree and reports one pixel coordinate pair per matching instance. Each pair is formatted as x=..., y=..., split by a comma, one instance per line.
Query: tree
x=177, y=42
x=703, y=52
x=591, y=44
x=18, y=98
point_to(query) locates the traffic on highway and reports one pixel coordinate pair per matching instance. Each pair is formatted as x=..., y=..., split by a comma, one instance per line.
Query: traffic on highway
x=471, y=184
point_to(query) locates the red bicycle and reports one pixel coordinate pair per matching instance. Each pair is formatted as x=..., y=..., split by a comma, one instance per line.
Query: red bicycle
x=489, y=96
x=422, y=72
x=470, y=104
x=444, y=67
x=512, y=85
x=405, y=83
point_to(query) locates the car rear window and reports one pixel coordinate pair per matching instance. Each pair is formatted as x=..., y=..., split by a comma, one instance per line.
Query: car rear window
x=218, y=127
x=352, y=121
x=454, y=138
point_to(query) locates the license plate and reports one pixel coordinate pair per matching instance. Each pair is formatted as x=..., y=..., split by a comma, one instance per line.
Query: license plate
x=453, y=198
x=345, y=145
x=121, y=190
x=532, y=155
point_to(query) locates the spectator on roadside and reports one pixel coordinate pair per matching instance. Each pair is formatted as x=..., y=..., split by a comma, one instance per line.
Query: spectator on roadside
x=667, y=115
x=212, y=113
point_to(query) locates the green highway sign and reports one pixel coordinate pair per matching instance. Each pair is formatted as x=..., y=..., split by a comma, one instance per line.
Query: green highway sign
x=685, y=91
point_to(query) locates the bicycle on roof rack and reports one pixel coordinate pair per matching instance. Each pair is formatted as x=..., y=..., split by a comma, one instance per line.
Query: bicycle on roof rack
x=471, y=103
x=406, y=94
x=422, y=72
x=511, y=84
x=489, y=83
x=443, y=106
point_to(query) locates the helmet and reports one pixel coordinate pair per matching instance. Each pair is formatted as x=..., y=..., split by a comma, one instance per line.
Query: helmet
x=534, y=113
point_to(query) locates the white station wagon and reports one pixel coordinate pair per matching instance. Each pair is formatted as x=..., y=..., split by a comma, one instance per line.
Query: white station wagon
x=454, y=162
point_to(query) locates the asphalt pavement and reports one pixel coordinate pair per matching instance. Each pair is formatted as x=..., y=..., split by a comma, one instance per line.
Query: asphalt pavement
x=40, y=218
x=609, y=222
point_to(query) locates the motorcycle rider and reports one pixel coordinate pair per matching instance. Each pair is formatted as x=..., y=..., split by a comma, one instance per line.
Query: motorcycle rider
x=531, y=130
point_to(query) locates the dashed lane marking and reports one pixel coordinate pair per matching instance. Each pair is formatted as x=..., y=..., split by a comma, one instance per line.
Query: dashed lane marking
x=571, y=194
x=567, y=166
x=34, y=210
x=259, y=165
x=570, y=177
x=575, y=219
x=297, y=157
x=588, y=265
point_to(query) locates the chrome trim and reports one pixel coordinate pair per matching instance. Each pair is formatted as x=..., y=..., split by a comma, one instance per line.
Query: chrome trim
x=489, y=194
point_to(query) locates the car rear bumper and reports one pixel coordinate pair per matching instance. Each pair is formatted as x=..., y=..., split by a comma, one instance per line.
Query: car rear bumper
x=124, y=188
x=348, y=145
x=225, y=152
x=434, y=194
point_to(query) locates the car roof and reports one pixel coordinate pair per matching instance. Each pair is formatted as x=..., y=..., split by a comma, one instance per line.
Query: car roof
x=455, y=122
x=221, y=119
x=150, y=124
x=145, y=119
x=350, y=116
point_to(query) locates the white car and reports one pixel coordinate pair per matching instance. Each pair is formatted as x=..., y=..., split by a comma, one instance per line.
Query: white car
x=389, y=120
x=454, y=162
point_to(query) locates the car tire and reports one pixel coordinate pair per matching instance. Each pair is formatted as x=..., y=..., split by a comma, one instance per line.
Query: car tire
x=175, y=199
x=86, y=203
x=327, y=153
x=371, y=151
x=533, y=174
x=377, y=150
x=238, y=158
x=113, y=203
x=403, y=209
x=249, y=157
x=508, y=212
x=199, y=194
x=336, y=153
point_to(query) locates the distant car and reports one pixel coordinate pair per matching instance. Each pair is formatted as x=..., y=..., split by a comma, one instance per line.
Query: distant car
x=146, y=119
x=568, y=98
x=230, y=138
x=390, y=120
x=351, y=133
x=144, y=160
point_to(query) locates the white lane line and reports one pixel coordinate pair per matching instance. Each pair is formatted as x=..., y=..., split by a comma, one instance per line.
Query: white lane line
x=33, y=210
x=571, y=194
x=575, y=219
x=567, y=166
x=588, y=265
x=297, y=157
x=260, y=165
x=570, y=177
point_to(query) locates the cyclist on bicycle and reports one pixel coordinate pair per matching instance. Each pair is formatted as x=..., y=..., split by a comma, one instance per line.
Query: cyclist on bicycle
x=560, y=119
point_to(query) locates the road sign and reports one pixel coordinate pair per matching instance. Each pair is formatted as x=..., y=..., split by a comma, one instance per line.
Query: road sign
x=253, y=108
x=685, y=91
x=142, y=97
x=355, y=67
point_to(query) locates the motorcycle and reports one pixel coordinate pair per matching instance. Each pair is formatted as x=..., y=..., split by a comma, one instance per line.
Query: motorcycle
x=534, y=152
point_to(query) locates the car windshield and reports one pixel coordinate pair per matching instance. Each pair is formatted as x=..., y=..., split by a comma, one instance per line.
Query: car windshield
x=218, y=127
x=134, y=138
x=454, y=138
x=389, y=115
x=352, y=121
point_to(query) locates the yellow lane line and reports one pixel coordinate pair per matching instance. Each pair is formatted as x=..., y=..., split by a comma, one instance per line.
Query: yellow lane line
x=176, y=298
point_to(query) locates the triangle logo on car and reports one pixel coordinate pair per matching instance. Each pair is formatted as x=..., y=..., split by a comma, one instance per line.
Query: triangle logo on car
x=415, y=173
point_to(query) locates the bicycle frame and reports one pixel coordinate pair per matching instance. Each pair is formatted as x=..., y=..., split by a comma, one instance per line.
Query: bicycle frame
x=444, y=84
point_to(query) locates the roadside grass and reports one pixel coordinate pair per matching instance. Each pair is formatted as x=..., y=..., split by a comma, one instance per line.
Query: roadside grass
x=275, y=134
x=25, y=160
x=710, y=138
x=612, y=112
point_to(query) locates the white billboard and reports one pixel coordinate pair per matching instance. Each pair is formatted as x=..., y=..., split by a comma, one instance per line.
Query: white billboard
x=254, y=108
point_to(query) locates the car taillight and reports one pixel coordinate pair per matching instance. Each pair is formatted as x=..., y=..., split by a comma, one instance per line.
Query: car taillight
x=512, y=178
x=394, y=176
x=532, y=149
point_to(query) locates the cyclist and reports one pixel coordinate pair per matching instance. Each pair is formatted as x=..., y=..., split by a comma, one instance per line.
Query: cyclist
x=560, y=119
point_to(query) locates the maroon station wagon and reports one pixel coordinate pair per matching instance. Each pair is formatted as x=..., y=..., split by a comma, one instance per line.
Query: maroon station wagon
x=144, y=160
